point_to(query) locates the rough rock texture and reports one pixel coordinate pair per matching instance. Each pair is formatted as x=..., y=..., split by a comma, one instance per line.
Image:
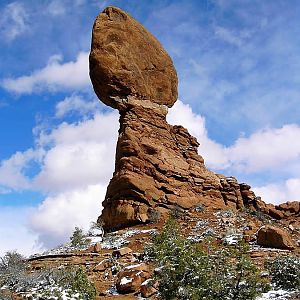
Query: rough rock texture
x=128, y=61
x=130, y=279
x=270, y=236
x=157, y=165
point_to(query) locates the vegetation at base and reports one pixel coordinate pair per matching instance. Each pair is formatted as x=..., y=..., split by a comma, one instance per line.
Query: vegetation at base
x=82, y=284
x=78, y=239
x=285, y=272
x=43, y=284
x=187, y=271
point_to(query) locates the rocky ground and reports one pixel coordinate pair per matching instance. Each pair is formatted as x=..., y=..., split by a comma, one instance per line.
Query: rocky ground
x=117, y=266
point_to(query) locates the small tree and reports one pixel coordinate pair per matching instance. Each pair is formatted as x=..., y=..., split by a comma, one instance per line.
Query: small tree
x=78, y=239
x=82, y=284
x=187, y=271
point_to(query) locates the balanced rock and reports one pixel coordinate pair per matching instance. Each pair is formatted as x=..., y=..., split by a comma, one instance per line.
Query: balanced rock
x=157, y=165
x=128, y=63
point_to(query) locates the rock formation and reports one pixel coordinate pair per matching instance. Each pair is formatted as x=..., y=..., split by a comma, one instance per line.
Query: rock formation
x=157, y=165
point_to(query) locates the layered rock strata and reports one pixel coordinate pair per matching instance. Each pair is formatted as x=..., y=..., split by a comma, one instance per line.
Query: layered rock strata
x=157, y=165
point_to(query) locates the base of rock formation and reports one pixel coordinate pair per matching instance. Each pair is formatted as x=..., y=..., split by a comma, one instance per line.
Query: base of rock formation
x=120, y=254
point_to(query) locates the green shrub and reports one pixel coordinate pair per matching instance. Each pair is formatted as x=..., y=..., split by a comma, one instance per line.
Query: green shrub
x=49, y=283
x=82, y=285
x=186, y=271
x=12, y=267
x=72, y=279
x=285, y=272
x=78, y=239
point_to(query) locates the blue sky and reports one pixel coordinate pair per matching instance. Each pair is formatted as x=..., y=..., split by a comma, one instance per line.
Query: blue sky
x=239, y=93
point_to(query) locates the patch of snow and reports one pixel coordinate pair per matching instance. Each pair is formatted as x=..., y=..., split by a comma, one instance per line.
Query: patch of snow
x=146, y=282
x=195, y=238
x=52, y=291
x=115, y=241
x=125, y=280
x=275, y=295
x=132, y=266
x=95, y=239
x=200, y=224
x=232, y=239
x=96, y=232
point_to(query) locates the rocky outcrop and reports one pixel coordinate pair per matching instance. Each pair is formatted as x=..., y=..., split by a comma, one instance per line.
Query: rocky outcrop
x=157, y=165
x=270, y=236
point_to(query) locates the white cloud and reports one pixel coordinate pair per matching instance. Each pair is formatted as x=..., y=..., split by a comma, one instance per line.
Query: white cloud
x=79, y=155
x=70, y=156
x=55, y=219
x=13, y=170
x=280, y=192
x=75, y=103
x=72, y=75
x=266, y=149
x=76, y=162
x=14, y=231
x=13, y=21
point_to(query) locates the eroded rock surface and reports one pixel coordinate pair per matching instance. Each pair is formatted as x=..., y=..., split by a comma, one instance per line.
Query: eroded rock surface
x=157, y=165
x=128, y=62
x=270, y=236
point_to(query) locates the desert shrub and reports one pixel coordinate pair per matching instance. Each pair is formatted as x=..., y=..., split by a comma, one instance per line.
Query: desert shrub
x=78, y=239
x=60, y=283
x=78, y=281
x=48, y=283
x=12, y=268
x=177, y=211
x=186, y=271
x=285, y=272
x=154, y=216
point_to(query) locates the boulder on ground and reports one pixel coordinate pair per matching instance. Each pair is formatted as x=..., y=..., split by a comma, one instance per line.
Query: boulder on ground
x=270, y=236
x=131, y=278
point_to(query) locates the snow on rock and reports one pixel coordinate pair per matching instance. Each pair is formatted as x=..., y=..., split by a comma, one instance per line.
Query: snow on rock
x=125, y=280
x=115, y=240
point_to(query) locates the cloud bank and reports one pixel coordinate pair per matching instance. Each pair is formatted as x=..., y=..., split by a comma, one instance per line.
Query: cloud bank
x=55, y=76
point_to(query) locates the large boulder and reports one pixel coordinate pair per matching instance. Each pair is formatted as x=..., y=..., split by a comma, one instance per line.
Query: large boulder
x=270, y=236
x=128, y=61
